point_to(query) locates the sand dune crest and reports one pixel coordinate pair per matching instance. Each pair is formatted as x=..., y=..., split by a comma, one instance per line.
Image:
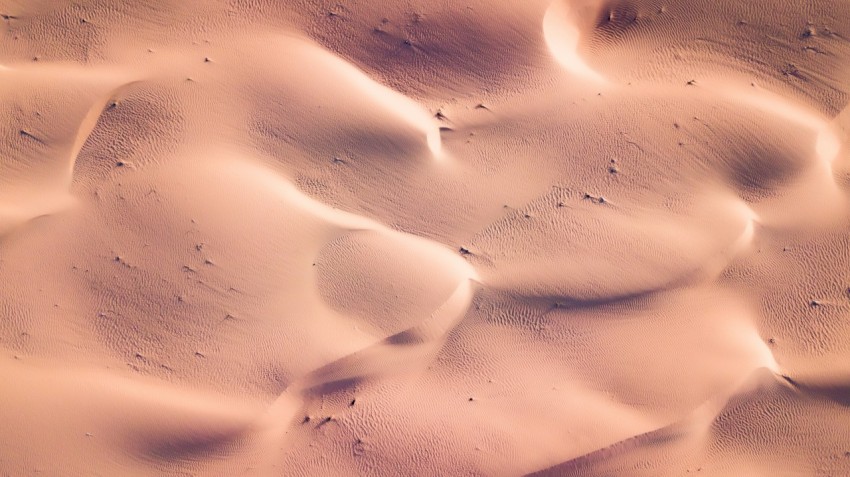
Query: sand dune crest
x=552, y=237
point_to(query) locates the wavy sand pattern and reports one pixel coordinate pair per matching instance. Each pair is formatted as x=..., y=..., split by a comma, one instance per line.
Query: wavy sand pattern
x=569, y=237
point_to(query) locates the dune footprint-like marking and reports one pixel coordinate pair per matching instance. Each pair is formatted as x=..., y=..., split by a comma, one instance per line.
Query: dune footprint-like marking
x=407, y=352
x=562, y=32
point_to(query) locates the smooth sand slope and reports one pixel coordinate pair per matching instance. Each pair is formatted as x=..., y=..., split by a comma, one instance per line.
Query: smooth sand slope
x=424, y=237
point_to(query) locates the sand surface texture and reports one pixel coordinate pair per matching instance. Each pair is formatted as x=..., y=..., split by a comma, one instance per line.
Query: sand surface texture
x=425, y=237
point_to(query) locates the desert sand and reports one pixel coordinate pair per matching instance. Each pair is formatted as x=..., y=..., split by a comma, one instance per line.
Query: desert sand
x=425, y=237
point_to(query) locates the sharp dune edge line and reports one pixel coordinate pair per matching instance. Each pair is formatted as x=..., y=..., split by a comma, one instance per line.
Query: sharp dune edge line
x=399, y=105
x=196, y=295
x=562, y=34
x=54, y=201
x=406, y=109
x=88, y=124
x=749, y=232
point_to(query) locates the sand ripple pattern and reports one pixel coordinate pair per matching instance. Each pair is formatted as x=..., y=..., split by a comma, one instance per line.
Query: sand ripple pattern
x=569, y=237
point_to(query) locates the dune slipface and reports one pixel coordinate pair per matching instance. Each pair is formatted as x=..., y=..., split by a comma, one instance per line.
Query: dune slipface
x=551, y=237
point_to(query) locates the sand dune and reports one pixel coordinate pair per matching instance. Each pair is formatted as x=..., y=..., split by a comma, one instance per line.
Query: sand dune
x=553, y=237
x=562, y=30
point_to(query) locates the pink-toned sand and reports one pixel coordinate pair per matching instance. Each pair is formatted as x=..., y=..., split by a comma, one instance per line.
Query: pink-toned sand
x=425, y=238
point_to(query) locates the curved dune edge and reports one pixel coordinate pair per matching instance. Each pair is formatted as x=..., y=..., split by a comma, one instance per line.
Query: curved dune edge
x=403, y=353
x=567, y=276
x=263, y=239
x=562, y=32
x=402, y=108
x=406, y=109
x=55, y=196
x=562, y=35
x=144, y=419
x=694, y=430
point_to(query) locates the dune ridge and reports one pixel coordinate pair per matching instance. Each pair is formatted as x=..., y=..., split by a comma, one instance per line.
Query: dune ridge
x=554, y=237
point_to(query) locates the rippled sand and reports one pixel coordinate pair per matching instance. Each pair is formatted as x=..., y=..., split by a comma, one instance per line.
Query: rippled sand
x=567, y=238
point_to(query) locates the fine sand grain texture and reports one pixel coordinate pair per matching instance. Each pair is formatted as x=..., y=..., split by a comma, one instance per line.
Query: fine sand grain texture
x=603, y=238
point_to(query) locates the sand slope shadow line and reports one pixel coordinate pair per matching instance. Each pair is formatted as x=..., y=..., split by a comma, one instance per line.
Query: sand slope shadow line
x=394, y=353
x=152, y=420
x=831, y=389
x=403, y=352
x=696, y=424
x=90, y=121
